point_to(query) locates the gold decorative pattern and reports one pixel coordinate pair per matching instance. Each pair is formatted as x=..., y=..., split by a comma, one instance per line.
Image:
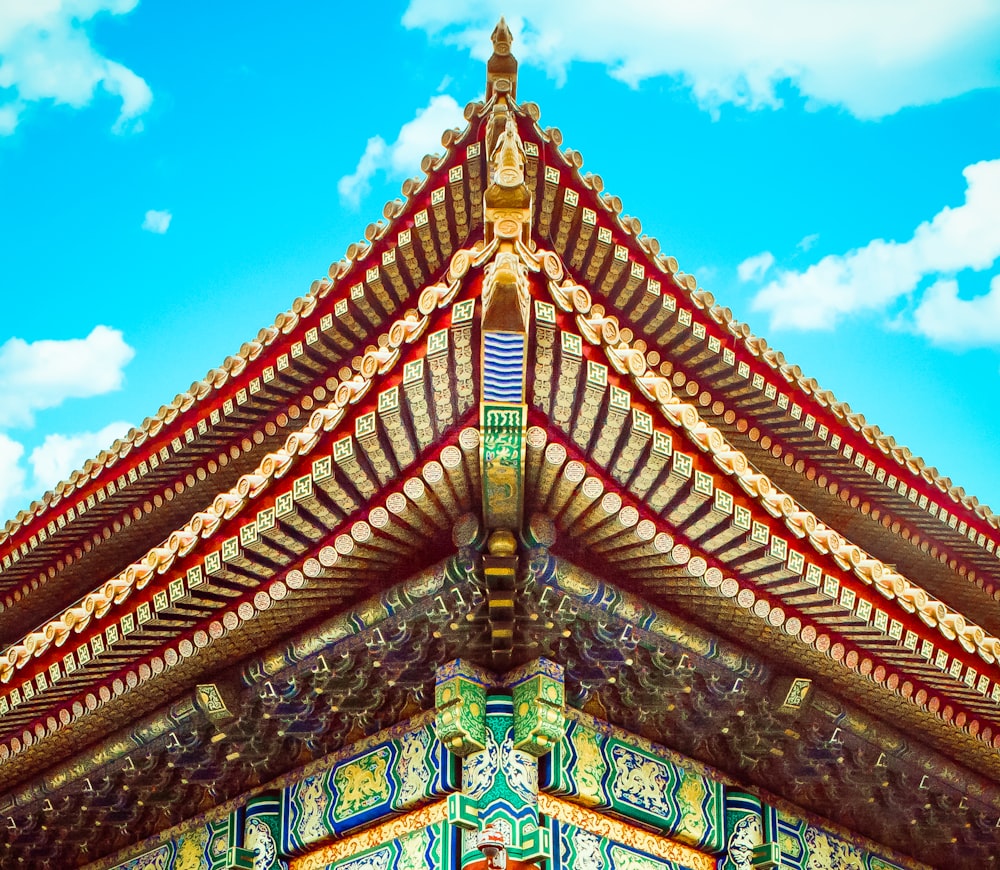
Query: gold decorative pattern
x=185, y=404
x=226, y=505
x=341, y=562
x=392, y=830
x=603, y=330
x=603, y=826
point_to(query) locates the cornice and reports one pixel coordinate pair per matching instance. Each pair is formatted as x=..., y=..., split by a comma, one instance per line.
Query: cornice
x=714, y=358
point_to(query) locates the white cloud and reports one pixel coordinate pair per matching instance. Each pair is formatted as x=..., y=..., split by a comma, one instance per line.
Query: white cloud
x=874, y=276
x=754, y=268
x=807, y=242
x=58, y=456
x=46, y=54
x=52, y=461
x=416, y=138
x=157, y=221
x=354, y=186
x=8, y=119
x=12, y=477
x=872, y=57
x=946, y=319
x=43, y=374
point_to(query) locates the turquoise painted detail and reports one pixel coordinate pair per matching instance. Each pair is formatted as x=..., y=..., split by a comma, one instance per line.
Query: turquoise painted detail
x=751, y=829
x=391, y=777
x=807, y=847
x=262, y=833
x=760, y=837
x=612, y=771
x=503, y=783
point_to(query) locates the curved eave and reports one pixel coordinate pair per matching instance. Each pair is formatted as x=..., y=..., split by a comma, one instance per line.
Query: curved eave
x=302, y=700
x=611, y=404
x=307, y=511
x=232, y=417
x=827, y=455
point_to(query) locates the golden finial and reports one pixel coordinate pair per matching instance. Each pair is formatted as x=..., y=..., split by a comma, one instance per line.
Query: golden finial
x=501, y=69
x=501, y=541
x=502, y=40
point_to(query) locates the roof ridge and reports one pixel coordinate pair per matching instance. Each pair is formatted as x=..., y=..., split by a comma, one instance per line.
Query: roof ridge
x=285, y=323
x=758, y=347
x=628, y=358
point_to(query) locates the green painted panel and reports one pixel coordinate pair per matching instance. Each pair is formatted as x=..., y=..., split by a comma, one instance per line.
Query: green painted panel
x=403, y=771
x=204, y=847
x=502, y=780
x=809, y=847
x=262, y=832
x=607, y=769
x=503, y=449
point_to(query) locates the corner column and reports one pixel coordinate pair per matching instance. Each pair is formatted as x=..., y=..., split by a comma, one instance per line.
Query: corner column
x=500, y=726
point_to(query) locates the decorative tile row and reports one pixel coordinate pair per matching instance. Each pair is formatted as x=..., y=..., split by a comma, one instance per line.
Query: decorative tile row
x=628, y=359
x=383, y=287
x=777, y=584
x=247, y=558
x=703, y=300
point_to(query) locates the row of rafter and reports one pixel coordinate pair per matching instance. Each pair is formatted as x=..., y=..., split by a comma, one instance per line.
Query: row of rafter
x=713, y=354
x=285, y=366
x=597, y=418
x=168, y=601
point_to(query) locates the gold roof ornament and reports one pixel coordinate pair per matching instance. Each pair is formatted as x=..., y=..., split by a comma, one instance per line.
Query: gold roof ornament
x=501, y=69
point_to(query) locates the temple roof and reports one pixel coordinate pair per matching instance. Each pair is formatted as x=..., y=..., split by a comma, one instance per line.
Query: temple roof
x=506, y=388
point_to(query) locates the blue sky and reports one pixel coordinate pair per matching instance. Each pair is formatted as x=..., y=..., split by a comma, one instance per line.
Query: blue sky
x=173, y=174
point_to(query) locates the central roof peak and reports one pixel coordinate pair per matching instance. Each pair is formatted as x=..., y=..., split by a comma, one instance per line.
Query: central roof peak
x=501, y=69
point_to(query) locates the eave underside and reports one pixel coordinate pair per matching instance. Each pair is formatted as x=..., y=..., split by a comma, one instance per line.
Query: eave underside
x=637, y=666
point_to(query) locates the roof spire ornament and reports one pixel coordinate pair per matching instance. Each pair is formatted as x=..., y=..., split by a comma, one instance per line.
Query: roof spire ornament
x=501, y=68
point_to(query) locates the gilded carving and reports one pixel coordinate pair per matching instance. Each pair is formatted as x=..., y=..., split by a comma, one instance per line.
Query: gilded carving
x=539, y=697
x=592, y=766
x=611, y=829
x=508, y=155
x=505, y=283
x=691, y=798
x=829, y=853
x=361, y=784
x=191, y=850
x=396, y=829
x=410, y=767
x=460, y=698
